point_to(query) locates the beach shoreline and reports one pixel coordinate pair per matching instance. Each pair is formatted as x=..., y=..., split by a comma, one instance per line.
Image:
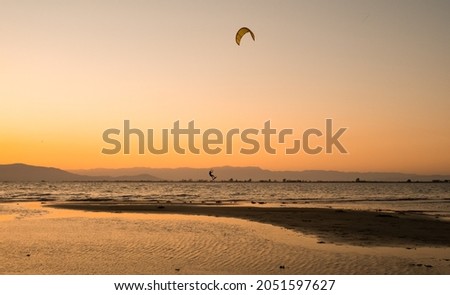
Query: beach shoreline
x=338, y=226
x=141, y=238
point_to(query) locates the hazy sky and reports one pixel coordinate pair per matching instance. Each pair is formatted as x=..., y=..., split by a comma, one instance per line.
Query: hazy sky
x=71, y=69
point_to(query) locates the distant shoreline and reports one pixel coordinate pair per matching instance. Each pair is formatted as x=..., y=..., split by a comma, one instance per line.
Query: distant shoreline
x=24, y=172
x=221, y=181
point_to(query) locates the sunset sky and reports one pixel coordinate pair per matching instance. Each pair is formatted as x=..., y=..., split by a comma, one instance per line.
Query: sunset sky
x=71, y=69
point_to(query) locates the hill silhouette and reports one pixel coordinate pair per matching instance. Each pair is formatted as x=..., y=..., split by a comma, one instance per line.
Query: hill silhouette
x=257, y=174
x=23, y=172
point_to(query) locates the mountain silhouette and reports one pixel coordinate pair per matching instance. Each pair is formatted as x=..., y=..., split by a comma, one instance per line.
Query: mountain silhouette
x=23, y=172
x=257, y=174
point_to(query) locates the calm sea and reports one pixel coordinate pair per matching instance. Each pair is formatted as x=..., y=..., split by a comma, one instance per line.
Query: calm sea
x=429, y=198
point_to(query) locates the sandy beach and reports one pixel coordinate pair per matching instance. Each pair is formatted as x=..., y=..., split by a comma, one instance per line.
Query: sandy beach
x=338, y=226
x=140, y=238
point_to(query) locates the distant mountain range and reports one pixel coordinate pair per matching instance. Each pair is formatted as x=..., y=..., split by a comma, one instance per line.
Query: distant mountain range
x=23, y=172
x=256, y=174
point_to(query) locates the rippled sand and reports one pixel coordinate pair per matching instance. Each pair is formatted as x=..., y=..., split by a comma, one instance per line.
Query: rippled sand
x=42, y=240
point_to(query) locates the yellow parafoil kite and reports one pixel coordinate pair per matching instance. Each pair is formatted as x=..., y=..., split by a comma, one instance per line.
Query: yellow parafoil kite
x=241, y=33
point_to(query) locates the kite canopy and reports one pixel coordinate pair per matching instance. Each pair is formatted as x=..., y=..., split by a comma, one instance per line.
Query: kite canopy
x=241, y=33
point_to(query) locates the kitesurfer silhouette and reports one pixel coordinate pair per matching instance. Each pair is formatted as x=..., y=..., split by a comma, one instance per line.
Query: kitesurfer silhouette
x=212, y=175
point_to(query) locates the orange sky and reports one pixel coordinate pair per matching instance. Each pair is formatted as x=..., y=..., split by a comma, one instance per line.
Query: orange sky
x=70, y=70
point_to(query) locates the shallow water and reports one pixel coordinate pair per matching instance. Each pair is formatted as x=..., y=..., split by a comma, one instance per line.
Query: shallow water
x=429, y=198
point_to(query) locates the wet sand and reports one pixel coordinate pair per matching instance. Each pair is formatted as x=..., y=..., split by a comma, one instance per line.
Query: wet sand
x=353, y=227
x=138, y=239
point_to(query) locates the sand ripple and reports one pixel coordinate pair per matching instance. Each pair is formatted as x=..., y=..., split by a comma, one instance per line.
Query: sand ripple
x=89, y=243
